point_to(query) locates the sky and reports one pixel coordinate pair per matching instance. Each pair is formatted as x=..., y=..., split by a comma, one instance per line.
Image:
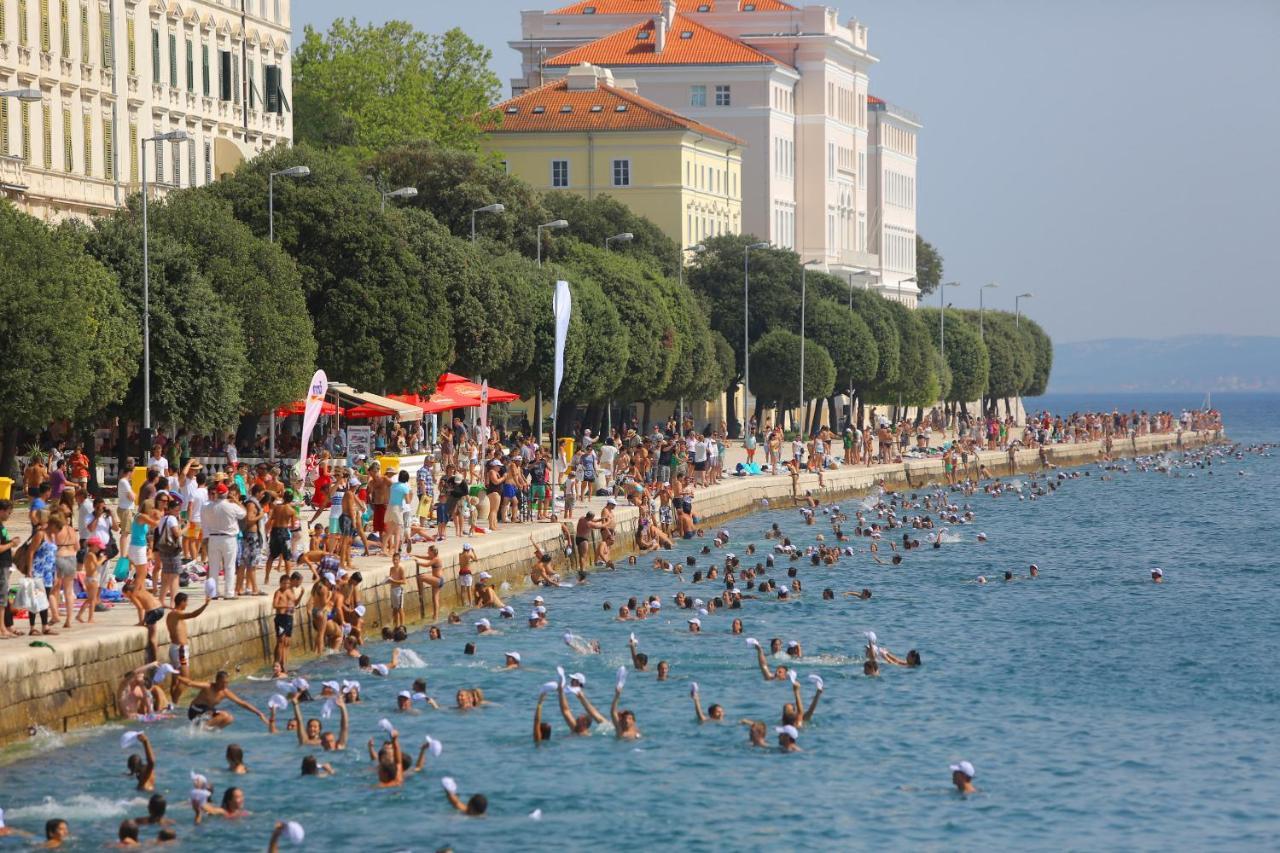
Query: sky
x=1119, y=159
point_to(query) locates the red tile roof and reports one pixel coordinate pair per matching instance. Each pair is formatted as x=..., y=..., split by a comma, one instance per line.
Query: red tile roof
x=872, y=99
x=554, y=108
x=637, y=45
x=653, y=7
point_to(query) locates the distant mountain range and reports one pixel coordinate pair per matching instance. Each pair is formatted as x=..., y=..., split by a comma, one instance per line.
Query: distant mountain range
x=1188, y=363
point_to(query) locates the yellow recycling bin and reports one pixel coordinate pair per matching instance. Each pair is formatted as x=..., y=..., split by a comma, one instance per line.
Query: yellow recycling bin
x=6, y=488
x=137, y=478
x=566, y=451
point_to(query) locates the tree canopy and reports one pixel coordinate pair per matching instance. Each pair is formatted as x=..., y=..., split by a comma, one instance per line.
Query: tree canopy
x=928, y=266
x=775, y=380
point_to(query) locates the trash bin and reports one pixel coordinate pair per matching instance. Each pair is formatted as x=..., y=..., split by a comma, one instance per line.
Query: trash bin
x=6, y=488
x=137, y=478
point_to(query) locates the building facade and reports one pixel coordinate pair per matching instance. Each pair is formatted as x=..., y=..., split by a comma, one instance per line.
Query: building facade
x=790, y=81
x=114, y=73
x=591, y=133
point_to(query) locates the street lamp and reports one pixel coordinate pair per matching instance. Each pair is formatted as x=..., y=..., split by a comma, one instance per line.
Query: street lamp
x=680, y=265
x=497, y=207
x=860, y=273
x=746, y=334
x=942, y=316
x=804, y=269
x=171, y=136
x=624, y=237
x=26, y=95
x=1017, y=315
x=291, y=172
x=557, y=224
x=901, y=282
x=403, y=192
x=981, y=308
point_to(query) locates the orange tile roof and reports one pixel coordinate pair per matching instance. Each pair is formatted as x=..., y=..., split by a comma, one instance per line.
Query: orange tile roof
x=637, y=45
x=653, y=7
x=872, y=99
x=555, y=108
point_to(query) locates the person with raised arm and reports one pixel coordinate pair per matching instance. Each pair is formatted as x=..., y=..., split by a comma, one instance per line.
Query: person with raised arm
x=624, y=721
x=716, y=712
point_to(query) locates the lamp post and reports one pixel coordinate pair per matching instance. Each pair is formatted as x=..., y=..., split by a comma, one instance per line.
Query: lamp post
x=624, y=237
x=497, y=207
x=942, y=316
x=171, y=136
x=746, y=333
x=555, y=225
x=804, y=292
x=858, y=273
x=1017, y=314
x=25, y=95
x=982, y=308
x=291, y=172
x=901, y=282
x=680, y=265
x=403, y=192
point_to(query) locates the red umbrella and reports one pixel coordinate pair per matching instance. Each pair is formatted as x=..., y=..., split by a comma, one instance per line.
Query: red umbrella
x=464, y=388
x=443, y=402
x=370, y=410
x=299, y=407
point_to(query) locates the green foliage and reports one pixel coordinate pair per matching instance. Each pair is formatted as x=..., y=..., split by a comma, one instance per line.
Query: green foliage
x=453, y=183
x=1043, y=358
x=636, y=292
x=605, y=345
x=775, y=379
x=928, y=266
x=717, y=276
x=370, y=87
x=1012, y=356
x=916, y=377
x=259, y=282
x=593, y=221
x=381, y=322
x=69, y=343
x=847, y=339
x=967, y=358
x=198, y=361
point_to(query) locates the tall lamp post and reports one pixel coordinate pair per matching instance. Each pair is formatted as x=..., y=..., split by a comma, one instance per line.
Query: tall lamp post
x=171, y=136
x=901, y=282
x=555, y=225
x=858, y=273
x=942, y=316
x=1017, y=313
x=403, y=192
x=804, y=292
x=497, y=207
x=696, y=249
x=746, y=333
x=982, y=308
x=291, y=172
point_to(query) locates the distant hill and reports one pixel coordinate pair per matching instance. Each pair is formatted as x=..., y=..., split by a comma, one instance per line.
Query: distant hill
x=1188, y=363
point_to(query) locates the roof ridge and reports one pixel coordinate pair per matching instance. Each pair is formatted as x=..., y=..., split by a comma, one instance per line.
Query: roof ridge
x=752, y=55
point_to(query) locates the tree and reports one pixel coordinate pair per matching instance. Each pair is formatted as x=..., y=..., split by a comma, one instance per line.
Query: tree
x=1043, y=346
x=966, y=355
x=452, y=183
x=593, y=221
x=846, y=338
x=70, y=343
x=367, y=88
x=776, y=380
x=916, y=381
x=198, y=360
x=259, y=282
x=605, y=341
x=1012, y=358
x=928, y=266
x=381, y=323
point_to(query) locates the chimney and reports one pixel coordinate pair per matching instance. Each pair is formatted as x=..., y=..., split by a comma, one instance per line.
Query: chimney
x=660, y=39
x=582, y=77
x=669, y=11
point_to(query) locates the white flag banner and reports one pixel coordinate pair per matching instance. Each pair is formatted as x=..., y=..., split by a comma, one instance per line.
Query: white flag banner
x=315, y=402
x=563, y=308
x=484, y=411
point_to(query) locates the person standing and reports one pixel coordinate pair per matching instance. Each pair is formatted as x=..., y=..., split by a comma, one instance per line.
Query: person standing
x=221, y=526
x=7, y=547
x=379, y=496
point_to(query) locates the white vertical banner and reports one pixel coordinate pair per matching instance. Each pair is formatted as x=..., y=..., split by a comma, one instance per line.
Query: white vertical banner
x=315, y=403
x=484, y=411
x=562, y=307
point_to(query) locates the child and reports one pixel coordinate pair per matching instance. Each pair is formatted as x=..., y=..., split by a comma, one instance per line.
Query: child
x=396, y=578
x=568, y=486
x=465, y=579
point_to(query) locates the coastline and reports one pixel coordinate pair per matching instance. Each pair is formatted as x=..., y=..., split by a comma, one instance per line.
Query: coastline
x=73, y=684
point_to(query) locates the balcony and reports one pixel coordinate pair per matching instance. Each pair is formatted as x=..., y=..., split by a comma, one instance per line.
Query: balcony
x=858, y=260
x=13, y=174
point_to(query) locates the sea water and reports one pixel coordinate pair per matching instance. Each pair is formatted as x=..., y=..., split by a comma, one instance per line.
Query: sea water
x=1099, y=709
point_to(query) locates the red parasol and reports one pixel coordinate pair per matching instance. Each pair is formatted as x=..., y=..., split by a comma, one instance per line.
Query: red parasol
x=463, y=388
x=370, y=410
x=299, y=407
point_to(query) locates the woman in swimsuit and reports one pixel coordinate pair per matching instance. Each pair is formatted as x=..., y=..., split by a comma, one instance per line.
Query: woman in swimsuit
x=494, y=476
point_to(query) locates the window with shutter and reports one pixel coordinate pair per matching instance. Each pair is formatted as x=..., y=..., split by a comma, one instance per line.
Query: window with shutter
x=132, y=34
x=253, y=92
x=159, y=162
x=88, y=144
x=46, y=36
x=4, y=24
x=173, y=60
x=208, y=163
x=191, y=66
x=177, y=163
x=68, y=145
x=22, y=23
x=109, y=149
x=155, y=55
x=204, y=68
x=46, y=125
x=133, y=152
x=272, y=90
x=107, y=32
x=26, y=131
x=224, y=75
x=235, y=82
x=84, y=34
x=191, y=164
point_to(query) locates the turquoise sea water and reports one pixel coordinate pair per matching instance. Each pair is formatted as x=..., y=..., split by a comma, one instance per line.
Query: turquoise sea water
x=1100, y=710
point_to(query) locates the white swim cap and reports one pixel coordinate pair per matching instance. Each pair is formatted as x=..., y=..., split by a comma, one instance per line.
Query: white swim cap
x=963, y=767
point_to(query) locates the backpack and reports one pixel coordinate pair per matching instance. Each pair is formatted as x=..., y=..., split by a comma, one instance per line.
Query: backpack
x=168, y=540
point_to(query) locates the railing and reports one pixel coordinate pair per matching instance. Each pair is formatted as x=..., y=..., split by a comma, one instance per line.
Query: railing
x=13, y=172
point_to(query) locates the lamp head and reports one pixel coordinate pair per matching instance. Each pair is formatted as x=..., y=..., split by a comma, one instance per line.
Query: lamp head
x=295, y=172
x=173, y=136
x=760, y=245
x=403, y=192
x=559, y=223
x=27, y=95
x=492, y=208
x=1025, y=295
x=990, y=284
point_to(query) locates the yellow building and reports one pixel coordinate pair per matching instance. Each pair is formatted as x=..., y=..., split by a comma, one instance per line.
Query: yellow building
x=591, y=134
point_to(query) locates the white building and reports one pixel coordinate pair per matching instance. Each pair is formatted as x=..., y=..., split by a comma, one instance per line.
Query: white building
x=112, y=73
x=792, y=82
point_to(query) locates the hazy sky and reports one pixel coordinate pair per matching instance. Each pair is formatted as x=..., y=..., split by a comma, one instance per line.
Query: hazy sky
x=1118, y=158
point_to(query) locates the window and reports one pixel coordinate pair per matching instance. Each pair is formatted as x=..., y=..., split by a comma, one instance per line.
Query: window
x=22, y=23
x=26, y=131
x=64, y=27
x=191, y=164
x=4, y=29
x=173, y=60
x=697, y=96
x=274, y=93
x=208, y=163
x=862, y=170
x=224, y=75
x=253, y=90
x=722, y=96
x=155, y=56
x=84, y=34
x=68, y=150
x=46, y=128
x=108, y=149
x=131, y=35
x=622, y=173
x=643, y=35
x=133, y=152
x=46, y=37
x=686, y=34
x=176, y=149
x=87, y=120
x=204, y=68
x=191, y=66
x=106, y=32
x=559, y=173
x=831, y=161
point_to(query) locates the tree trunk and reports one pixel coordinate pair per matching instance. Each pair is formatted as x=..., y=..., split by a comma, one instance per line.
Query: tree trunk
x=9, y=452
x=731, y=403
x=644, y=417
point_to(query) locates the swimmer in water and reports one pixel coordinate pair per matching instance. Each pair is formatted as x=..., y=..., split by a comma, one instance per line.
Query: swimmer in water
x=639, y=659
x=962, y=777
x=624, y=721
x=476, y=806
x=143, y=768
x=912, y=659
x=861, y=596
x=767, y=674
x=235, y=759
x=205, y=706
x=787, y=737
x=311, y=735
x=714, y=714
x=1157, y=575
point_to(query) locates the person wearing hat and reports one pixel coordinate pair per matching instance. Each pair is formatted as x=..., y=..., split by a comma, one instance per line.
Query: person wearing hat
x=513, y=660
x=221, y=528
x=962, y=774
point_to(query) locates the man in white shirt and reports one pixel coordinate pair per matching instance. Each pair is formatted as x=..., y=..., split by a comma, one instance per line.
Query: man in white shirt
x=157, y=461
x=700, y=459
x=608, y=453
x=233, y=455
x=197, y=495
x=125, y=498
x=221, y=525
